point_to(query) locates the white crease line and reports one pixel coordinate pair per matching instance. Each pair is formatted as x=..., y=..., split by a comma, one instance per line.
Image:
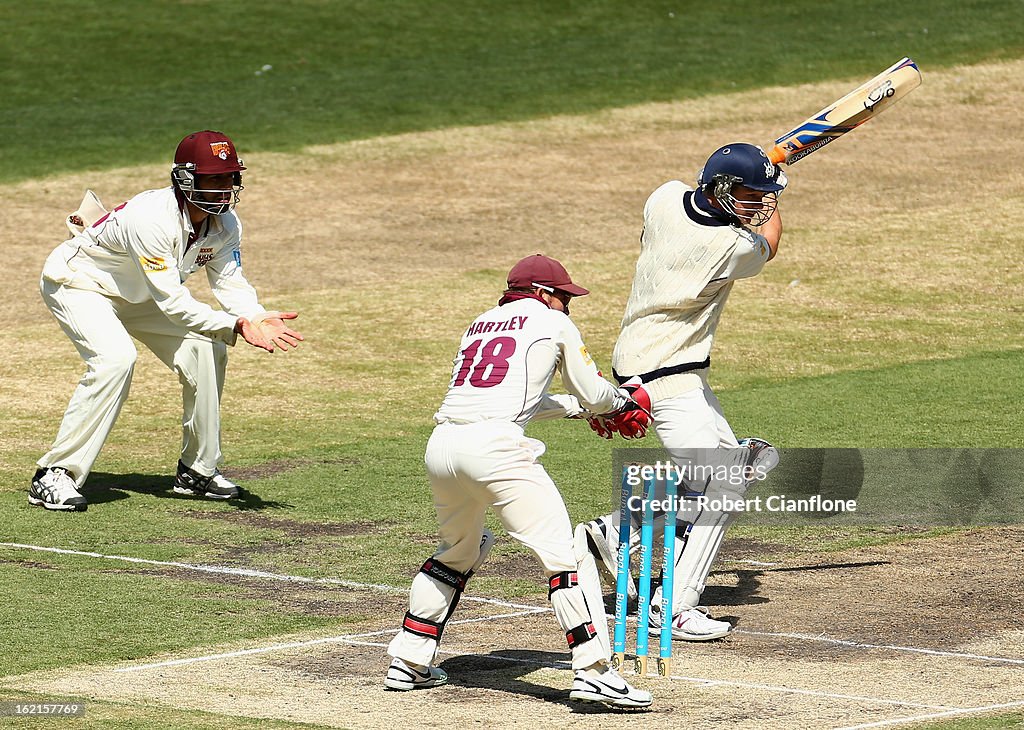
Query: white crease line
x=892, y=647
x=532, y=662
x=479, y=619
x=301, y=644
x=249, y=573
x=353, y=640
x=951, y=713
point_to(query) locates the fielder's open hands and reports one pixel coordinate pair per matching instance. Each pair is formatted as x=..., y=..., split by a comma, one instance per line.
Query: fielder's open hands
x=253, y=335
x=273, y=328
x=270, y=332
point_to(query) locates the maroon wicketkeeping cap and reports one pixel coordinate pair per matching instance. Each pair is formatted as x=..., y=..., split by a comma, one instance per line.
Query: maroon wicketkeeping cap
x=539, y=270
x=211, y=152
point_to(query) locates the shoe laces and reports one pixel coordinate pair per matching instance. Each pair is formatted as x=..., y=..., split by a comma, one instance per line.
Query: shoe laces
x=59, y=484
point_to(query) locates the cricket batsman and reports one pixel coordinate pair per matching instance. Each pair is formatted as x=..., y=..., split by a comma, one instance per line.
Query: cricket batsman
x=695, y=245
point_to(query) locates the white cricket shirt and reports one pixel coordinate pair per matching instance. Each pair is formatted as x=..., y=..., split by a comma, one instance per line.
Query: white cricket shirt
x=507, y=360
x=141, y=250
x=688, y=262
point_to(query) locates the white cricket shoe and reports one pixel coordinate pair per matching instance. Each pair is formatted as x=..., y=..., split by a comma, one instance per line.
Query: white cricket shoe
x=403, y=676
x=194, y=484
x=55, y=489
x=603, y=545
x=607, y=687
x=692, y=625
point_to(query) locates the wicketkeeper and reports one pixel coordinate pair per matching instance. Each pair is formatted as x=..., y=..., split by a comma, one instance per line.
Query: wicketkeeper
x=478, y=457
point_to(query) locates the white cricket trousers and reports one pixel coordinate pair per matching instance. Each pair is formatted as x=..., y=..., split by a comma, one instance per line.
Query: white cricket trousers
x=101, y=328
x=692, y=420
x=493, y=464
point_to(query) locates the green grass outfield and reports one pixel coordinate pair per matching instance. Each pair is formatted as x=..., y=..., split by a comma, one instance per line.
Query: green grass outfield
x=92, y=85
x=95, y=86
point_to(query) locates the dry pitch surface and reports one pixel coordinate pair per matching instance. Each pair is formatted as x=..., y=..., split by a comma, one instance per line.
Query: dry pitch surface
x=910, y=220
x=862, y=638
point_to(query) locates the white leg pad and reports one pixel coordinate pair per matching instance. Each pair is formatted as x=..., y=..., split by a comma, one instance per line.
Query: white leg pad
x=572, y=611
x=590, y=584
x=693, y=563
x=434, y=601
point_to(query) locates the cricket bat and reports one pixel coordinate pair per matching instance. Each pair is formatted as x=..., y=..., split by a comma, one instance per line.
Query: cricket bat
x=845, y=115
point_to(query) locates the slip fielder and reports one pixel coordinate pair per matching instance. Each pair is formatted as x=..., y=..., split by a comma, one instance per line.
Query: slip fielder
x=121, y=276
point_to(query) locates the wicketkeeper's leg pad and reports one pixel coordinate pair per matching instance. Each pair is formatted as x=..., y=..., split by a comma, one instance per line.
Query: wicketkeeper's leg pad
x=435, y=593
x=573, y=615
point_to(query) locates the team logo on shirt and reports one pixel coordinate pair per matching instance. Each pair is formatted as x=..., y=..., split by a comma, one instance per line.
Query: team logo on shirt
x=220, y=149
x=152, y=264
x=205, y=256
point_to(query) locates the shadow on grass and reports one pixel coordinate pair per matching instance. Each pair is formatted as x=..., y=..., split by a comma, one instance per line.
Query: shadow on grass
x=102, y=488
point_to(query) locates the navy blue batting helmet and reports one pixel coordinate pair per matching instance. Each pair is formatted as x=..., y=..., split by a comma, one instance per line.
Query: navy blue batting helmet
x=743, y=164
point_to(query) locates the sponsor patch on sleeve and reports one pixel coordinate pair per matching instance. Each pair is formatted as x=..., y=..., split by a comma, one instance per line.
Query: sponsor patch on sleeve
x=205, y=256
x=586, y=355
x=237, y=254
x=152, y=265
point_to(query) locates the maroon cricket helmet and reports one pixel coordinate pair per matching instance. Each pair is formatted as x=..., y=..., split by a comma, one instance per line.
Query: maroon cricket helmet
x=212, y=153
x=539, y=270
x=207, y=153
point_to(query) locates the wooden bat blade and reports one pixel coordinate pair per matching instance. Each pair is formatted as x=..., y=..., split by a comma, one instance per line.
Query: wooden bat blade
x=846, y=114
